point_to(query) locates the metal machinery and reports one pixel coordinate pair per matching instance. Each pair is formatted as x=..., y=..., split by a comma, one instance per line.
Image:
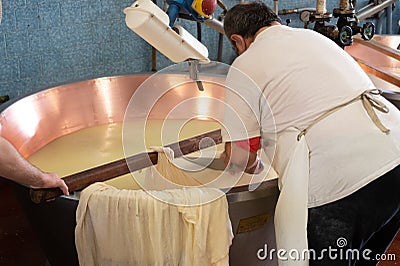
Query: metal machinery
x=347, y=22
x=348, y=19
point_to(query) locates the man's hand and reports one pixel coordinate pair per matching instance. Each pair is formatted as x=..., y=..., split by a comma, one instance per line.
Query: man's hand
x=243, y=159
x=50, y=180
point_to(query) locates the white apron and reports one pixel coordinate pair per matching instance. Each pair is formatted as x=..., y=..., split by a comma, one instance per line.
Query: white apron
x=292, y=162
x=291, y=209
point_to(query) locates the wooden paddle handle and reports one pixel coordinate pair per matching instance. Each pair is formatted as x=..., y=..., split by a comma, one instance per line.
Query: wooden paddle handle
x=79, y=181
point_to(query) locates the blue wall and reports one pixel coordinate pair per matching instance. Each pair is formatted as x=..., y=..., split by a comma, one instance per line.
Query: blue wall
x=44, y=43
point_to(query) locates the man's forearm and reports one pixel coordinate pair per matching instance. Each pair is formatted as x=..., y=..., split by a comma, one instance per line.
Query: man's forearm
x=15, y=167
x=242, y=158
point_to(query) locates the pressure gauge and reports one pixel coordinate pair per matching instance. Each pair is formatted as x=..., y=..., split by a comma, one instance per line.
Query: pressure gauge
x=305, y=16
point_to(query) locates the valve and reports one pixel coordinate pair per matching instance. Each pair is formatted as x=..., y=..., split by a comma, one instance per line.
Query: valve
x=346, y=27
x=345, y=37
x=368, y=31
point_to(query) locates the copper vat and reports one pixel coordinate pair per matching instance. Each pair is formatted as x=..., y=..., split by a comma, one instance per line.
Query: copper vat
x=35, y=120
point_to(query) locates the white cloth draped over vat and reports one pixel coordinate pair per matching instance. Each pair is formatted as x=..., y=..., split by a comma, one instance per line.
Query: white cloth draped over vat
x=132, y=227
x=165, y=175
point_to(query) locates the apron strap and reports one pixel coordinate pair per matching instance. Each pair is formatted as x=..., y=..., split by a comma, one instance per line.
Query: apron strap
x=369, y=103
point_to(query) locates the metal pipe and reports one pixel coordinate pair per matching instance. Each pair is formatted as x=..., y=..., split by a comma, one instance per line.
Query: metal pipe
x=365, y=7
x=344, y=4
x=220, y=46
x=193, y=73
x=389, y=17
x=224, y=8
x=215, y=24
x=295, y=10
x=199, y=36
x=374, y=10
x=321, y=7
x=379, y=24
x=154, y=53
x=153, y=59
x=218, y=25
x=276, y=8
x=398, y=32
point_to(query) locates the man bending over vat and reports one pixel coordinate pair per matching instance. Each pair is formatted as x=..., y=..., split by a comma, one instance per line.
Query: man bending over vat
x=16, y=168
x=322, y=103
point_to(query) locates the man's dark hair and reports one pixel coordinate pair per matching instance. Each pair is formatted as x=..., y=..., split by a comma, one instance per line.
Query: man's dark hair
x=246, y=19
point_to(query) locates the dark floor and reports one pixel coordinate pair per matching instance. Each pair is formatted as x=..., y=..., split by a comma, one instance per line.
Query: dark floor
x=19, y=245
x=18, y=242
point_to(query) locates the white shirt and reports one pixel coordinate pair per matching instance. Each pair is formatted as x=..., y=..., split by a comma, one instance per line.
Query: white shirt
x=302, y=74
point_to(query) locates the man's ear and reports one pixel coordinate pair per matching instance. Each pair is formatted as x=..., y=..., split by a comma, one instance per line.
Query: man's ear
x=239, y=42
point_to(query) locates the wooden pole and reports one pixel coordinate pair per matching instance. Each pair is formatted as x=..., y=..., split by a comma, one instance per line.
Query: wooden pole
x=79, y=181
